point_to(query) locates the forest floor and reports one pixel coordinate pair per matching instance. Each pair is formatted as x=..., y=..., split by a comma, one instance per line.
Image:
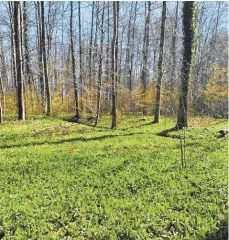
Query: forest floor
x=60, y=180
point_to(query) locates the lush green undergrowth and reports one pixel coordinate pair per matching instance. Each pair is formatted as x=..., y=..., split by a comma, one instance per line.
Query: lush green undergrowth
x=71, y=181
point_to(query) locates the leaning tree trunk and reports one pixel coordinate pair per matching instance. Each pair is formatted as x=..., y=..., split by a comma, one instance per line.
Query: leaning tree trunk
x=114, y=62
x=47, y=87
x=160, y=62
x=188, y=11
x=77, y=116
x=19, y=74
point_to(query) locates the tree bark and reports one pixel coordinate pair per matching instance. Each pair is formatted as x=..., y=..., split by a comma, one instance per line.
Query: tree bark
x=13, y=59
x=3, y=100
x=173, y=50
x=47, y=87
x=188, y=11
x=90, y=48
x=1, y=114
x=40, y=57
x=77, y=116
x=28, y=76
x=145, y=53
x=100, y=68
x=20, y=88
x=114, y=62
x=160, y=62
x=80, y=55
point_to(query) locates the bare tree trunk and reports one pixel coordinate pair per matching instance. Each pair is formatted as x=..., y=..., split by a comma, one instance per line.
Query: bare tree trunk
x=130, y=51
x=47, y=87
x=90, y=49
x=28, y=72
x=77, y=116
x=3, y=100
x=40, y=57
x=80, y=55
x=20, y=88
x=160, y=62
x=114, y=62
x=173, y=49
x=95, y=52
x=13, y=60
x=145, y=56
x=100, y=68
x=107, y=87
x=1, y=114
x=128, y=47
x=188, y=11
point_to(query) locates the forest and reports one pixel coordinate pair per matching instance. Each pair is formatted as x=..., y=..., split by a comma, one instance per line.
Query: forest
x=114, y=120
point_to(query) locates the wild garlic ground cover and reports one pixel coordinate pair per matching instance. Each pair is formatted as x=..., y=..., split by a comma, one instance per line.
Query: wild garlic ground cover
x=72, y=181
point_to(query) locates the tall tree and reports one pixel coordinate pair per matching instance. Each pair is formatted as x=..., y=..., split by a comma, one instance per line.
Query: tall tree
x=132, y=57
x=77, y=116
x=173, y=48
x=160, y=62
x=145, y=53
x=13, y=50
x=114, y=62
x=91, y=47
x=188, y=12
x=39, y=47
x=3, y=100
x=107, y=88
x=99, y=83
x=28, y=76
x=18, y=57
x=47, y=87
x=80, y=55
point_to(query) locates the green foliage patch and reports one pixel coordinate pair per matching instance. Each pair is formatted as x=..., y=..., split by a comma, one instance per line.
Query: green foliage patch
x=80, y=182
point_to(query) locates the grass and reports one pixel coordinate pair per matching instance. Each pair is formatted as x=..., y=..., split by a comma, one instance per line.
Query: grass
x=80, y=182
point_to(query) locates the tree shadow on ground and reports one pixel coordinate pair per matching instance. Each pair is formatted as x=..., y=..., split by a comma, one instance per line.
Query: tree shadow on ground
x=78, y=139
x=91, y=124
x=166, y=133
x=221, y=234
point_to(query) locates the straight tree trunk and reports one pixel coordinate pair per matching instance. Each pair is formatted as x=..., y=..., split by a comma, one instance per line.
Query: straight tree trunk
x=100, y=68
x=160, y=62
x=47, y=87
x=114, y=62
x=173, y=49
x=107, y=87
x=145, y=56
x=40, y=57
x=130, y=55
x=90, y=48
x=1, y=114
x=188, y=12
x=77, y=116
x=20, y=88
x=13, y=59
x=80, y=55
x=128, y=47
x=28, y=76
x=95, y=52
x=3, y=100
